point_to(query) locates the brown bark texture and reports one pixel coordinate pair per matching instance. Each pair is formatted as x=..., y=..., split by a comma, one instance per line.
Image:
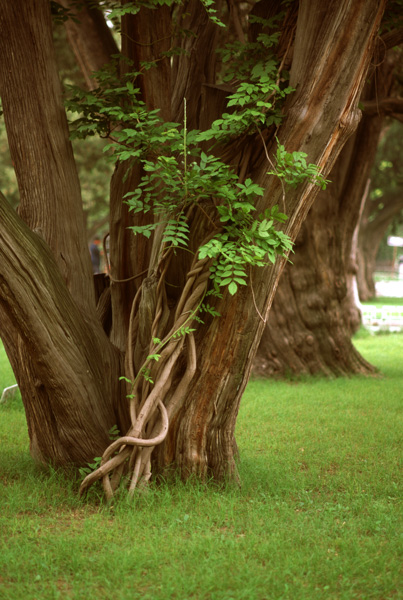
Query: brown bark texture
x=67, y=366
x=48, y=319
x=314, y=312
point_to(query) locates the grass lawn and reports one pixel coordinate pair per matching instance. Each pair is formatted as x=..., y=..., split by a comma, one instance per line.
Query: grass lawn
x=381, y=301
x=317, y=515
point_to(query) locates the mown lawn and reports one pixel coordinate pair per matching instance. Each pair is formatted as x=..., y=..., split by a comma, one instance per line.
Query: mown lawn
x=316, y=517
x=384, y=301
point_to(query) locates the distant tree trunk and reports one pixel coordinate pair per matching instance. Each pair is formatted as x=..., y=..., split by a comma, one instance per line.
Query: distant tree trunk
x=66, y=366
x=371, y=234
x=377, y=217
x=90, y=38
x=314, y=315
x=307, y=332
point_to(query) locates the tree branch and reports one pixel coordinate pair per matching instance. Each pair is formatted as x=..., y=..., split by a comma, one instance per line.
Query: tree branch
x=386, y=106
x=392, y=38
x=90, y=38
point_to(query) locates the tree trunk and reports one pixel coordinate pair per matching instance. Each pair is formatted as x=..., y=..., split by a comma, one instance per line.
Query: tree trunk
x=314, y=313
x=90, y=38
x=206, y=430
x=200, y=377
x=51, y=332
x=371, y=234
x=65, y=367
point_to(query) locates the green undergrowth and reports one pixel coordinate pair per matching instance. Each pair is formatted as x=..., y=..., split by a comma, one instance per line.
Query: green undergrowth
x=316, y=515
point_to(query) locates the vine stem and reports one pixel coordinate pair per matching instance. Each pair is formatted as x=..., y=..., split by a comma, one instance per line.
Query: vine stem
x=273, y=167
x=253, y=296
x=132, y=452
x=185, y=183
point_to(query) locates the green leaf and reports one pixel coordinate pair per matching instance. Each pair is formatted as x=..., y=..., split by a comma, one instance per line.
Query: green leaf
x=226, y=281
x=232, y=288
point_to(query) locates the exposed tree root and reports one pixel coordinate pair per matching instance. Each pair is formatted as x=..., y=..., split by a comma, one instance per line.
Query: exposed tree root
x=150, y=363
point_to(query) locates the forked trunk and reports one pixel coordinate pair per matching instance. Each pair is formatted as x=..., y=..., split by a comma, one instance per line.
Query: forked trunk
x=202, y=423
x=190, y=397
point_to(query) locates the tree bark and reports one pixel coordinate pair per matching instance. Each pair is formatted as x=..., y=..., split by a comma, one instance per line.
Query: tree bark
x=50, y=196
x=314, y=313
x=65, y=366
x=49, y=325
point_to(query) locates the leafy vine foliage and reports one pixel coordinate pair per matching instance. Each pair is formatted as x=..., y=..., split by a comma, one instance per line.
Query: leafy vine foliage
x=182, y=173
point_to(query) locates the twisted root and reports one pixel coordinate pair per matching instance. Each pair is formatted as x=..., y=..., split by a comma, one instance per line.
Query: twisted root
x=132, y=452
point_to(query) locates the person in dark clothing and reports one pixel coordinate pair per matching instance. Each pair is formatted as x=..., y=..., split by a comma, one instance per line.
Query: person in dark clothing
x=96, y=255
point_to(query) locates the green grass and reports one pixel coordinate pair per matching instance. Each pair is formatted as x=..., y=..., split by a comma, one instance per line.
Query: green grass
x=317, y=515
x=381, y=301
x=6, y=374
x=387, y=276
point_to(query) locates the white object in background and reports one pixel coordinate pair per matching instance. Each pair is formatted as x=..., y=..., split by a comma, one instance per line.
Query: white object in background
x=394, y=240
x=8, y=392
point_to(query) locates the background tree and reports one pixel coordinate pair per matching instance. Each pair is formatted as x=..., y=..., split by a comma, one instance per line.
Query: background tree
x=383, y=207
x=178, y=370
x=314, y=313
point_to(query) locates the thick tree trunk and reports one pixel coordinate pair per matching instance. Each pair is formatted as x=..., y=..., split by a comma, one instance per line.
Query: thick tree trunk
x=206, y=430
x=200, y=377
x=64, y=364
x=314, y=313
x=50, y=197
x=308, y=331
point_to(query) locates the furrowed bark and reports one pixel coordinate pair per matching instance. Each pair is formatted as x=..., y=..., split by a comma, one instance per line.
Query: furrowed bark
x=202, y=441
x=66, y=371
x=39, y=141
x=314, y=314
